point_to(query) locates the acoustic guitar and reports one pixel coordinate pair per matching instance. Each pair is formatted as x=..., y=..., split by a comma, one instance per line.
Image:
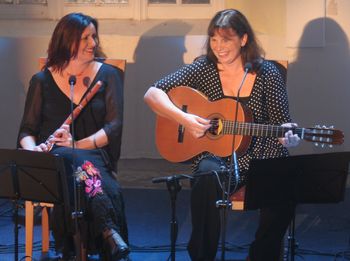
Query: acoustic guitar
x=177, y=145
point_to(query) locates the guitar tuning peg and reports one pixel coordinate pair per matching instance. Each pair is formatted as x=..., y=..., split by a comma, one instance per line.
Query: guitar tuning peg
x=316, y=144
x=324, y=127
x=322, y=145
x=331, y=127
x=317, y=126
x=330, y=146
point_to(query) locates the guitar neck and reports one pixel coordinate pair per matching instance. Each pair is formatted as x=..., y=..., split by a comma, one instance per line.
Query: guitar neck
x=261, y=130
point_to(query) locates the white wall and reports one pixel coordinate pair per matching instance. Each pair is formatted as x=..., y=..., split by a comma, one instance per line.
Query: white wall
x=318, y=73
x=313, y=36
x=317, y=76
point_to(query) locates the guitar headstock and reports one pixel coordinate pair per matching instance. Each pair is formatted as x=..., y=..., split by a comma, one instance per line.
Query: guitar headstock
x=322, y=135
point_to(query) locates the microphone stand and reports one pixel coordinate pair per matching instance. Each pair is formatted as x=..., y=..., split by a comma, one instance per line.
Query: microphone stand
x=77, y=213
x=174, y=187
x=224, y=204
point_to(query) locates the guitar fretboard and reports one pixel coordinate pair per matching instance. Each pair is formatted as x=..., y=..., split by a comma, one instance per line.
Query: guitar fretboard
x=254, y=129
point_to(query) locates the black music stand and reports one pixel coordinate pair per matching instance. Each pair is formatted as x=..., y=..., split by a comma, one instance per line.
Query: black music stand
x=303, y=179
x=34, y=176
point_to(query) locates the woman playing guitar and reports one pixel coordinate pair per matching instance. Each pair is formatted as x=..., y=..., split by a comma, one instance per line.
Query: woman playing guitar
x=218, y=74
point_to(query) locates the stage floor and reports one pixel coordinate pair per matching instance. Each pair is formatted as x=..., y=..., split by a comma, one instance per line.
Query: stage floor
x=322, y=231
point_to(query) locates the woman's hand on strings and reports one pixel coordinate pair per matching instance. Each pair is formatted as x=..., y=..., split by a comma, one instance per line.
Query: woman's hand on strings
x=290, y=139
x=196, y=125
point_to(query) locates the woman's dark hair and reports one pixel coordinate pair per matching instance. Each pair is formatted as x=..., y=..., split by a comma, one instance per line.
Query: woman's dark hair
x=65, y=39
x=235, y=20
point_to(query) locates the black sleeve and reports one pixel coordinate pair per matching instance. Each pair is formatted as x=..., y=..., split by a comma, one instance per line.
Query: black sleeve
x=114, y=110
x=30, y=124
x=276, y=96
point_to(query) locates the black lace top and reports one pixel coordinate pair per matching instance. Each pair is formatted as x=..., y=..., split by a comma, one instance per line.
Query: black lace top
x=47, y=107
x=268, y=102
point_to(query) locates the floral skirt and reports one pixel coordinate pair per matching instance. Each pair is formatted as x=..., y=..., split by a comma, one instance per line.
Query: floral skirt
x=100, y=198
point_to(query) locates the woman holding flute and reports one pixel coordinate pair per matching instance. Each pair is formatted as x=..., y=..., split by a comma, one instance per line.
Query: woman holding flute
x=93, y=145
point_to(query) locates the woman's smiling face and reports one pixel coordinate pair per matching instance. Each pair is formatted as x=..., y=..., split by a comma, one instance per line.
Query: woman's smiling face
x=88, y=43
x=226, y=45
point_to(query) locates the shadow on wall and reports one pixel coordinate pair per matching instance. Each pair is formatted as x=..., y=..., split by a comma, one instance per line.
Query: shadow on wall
x=156, y=55
x=318, y=85
x=12, y=92
x=18, y=62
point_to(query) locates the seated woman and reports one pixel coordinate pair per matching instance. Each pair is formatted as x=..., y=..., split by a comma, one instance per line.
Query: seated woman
x=218, y=74
x=91, y=150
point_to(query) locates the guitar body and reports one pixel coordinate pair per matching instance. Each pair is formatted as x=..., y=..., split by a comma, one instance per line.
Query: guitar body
x=175, y=144
x=177, y=147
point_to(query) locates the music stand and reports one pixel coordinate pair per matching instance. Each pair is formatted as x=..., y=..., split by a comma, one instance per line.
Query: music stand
x=303, y=179
x=34, y=176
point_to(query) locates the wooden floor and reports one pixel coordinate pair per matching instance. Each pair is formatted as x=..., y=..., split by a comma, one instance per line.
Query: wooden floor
x=138, y=173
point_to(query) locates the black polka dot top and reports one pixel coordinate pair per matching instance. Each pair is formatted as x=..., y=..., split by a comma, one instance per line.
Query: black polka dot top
x=268, y=102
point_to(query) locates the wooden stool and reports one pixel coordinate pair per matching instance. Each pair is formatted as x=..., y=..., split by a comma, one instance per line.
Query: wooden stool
x=29, y=227
x=237, y=199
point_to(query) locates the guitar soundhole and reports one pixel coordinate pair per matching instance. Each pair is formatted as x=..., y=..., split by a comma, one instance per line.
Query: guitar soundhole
x=215, y=129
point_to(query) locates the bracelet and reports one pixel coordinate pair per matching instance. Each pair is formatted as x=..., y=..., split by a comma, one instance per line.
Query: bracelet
x=94, y=140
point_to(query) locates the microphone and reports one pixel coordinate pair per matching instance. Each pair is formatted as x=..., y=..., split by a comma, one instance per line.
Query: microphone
x=162, y=179
x=233, y=168
x=72, y=80
x=258, y=65
x=77, y=213
x=171, y=178
x=248, y=67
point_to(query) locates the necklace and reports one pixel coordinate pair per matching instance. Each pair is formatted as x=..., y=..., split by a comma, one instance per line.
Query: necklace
x=80, y=73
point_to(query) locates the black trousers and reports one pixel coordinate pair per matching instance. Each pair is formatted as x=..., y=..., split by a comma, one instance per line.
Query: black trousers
x=205, y=218
x=100, y=212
